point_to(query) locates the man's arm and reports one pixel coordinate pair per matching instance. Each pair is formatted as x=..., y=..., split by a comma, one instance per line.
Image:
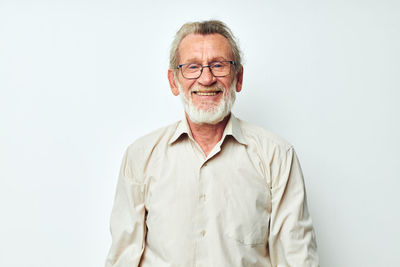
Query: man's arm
x=127, y=224
x=292, y=239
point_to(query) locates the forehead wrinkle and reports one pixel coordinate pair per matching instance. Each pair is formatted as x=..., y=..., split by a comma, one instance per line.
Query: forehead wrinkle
x=214, y=59
x=205, y=48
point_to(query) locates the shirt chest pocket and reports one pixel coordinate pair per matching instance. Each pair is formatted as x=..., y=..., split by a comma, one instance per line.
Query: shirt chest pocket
x=247, y=216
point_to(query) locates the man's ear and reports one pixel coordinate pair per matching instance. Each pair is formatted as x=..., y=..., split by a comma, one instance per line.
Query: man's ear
x=239, y=80
x=172, y=84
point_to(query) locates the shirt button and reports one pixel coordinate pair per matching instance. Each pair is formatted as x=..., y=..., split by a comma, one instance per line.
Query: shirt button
x=203, y=233
x=203, y=197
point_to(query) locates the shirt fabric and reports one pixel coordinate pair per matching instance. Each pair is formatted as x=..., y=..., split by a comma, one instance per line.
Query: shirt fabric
x=243, y=205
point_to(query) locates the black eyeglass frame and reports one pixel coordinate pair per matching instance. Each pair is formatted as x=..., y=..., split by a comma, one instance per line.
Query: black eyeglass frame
x=207, y=66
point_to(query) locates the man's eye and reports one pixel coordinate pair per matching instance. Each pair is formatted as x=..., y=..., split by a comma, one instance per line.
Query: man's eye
x=193, y=67
x=217, y=65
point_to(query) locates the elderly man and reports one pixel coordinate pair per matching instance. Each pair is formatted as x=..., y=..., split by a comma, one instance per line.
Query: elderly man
x=211, y=189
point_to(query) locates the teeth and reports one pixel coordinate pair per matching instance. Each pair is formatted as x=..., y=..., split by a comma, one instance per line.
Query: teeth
x=207, y=93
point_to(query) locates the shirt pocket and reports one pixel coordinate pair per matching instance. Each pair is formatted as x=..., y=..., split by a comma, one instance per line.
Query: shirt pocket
x=247, y=216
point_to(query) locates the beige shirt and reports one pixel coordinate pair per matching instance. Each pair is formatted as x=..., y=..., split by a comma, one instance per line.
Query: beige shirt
x=244, y=205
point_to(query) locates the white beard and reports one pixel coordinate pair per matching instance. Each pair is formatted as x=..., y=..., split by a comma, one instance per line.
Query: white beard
x=212, y=115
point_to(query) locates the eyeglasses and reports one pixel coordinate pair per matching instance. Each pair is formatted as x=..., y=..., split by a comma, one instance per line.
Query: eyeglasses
x=217, y=69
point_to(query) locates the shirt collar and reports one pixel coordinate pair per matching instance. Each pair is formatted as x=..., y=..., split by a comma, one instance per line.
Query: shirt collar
x=181, y=128
x=232, y=128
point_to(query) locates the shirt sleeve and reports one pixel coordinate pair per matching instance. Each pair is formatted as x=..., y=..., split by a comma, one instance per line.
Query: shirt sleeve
x=292, y=239
x=127, y=224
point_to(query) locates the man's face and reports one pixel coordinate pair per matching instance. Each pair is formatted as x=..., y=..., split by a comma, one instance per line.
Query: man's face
x=208, y=96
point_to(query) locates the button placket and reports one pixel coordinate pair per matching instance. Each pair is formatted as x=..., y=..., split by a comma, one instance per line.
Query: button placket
x=202, y=195
x=201, y=217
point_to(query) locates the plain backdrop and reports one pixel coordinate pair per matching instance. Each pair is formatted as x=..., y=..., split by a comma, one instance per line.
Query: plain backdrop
x=81, y=80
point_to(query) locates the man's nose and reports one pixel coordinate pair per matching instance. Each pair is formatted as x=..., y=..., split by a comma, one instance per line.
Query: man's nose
x=206, y=77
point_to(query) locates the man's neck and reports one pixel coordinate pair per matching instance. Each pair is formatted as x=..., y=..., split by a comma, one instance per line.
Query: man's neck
x=207, y=135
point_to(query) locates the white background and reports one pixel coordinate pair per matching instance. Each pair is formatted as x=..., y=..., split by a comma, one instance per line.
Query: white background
x=80, y=80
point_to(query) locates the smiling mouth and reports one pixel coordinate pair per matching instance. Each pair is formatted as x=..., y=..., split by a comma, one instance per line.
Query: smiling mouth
x=207, y=93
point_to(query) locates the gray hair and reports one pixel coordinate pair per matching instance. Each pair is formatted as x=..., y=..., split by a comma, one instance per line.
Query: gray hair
x=204, y=28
